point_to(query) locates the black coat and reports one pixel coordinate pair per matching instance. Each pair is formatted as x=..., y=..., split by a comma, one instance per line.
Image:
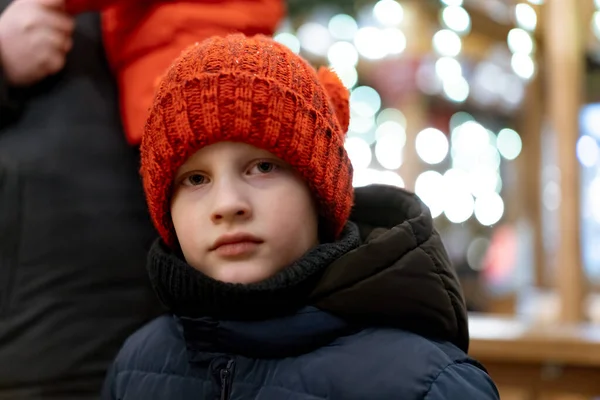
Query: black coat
x=74, y=230
x=386, y=320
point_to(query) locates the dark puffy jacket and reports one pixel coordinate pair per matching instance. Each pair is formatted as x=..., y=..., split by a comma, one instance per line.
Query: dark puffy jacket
x=74, y=230
x=386, y=321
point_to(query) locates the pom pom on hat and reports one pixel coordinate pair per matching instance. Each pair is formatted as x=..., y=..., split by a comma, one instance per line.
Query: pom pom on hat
x=339, y=96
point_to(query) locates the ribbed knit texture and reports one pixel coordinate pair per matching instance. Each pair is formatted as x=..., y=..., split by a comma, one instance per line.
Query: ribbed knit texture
x=256, y=91
x=186, y=291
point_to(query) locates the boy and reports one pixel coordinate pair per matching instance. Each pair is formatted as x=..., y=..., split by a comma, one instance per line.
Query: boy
x=274, y=293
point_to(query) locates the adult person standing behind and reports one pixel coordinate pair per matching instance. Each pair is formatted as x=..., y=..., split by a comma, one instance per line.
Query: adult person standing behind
x=74, y=229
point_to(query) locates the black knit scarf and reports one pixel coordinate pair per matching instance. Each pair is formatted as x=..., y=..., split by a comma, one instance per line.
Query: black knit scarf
x=187, y=292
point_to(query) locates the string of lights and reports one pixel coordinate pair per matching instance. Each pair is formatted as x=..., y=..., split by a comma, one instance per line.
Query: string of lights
x=461, y=175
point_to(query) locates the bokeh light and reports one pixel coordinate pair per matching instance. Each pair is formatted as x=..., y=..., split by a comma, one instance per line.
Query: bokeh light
x=431, y=145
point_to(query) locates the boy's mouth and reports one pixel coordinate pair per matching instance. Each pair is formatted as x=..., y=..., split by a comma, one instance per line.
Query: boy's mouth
x=237, y=250
x=232, y=241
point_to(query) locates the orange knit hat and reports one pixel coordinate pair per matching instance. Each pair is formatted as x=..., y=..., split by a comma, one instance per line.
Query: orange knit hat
x=252, y=90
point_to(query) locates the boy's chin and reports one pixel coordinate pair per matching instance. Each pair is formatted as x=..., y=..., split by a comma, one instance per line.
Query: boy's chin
x=243, y=273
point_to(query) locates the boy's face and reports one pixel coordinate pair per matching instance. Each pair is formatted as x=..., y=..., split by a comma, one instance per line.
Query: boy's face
x=241, y=214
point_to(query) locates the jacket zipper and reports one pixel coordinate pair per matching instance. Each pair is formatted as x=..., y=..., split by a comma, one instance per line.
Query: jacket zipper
x=226, y=380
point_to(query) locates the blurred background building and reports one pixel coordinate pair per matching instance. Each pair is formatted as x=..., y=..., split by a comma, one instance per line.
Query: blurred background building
x=439, y=99
x=490, y=111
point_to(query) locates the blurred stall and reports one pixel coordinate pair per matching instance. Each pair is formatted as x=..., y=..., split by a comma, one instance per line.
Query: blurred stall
x=490, y=111
x=437, y=93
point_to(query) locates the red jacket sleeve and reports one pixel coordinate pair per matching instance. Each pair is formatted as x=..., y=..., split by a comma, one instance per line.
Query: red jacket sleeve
x=143, y=37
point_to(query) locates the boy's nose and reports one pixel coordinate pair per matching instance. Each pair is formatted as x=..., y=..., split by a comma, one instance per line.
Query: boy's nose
x=230, y=214
x=230, y=205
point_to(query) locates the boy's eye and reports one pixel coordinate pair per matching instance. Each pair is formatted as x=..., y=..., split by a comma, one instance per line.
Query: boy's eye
x=194, y=180
x=265, y=167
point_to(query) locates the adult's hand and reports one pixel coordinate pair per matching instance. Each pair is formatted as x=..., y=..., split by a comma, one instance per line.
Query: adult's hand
x=35, y=37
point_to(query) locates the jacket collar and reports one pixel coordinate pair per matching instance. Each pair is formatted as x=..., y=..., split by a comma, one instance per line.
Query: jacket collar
x=286, y=336
x=400, y=276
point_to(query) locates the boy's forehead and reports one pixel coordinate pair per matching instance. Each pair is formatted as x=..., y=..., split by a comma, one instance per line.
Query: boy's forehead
x=219, y=152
